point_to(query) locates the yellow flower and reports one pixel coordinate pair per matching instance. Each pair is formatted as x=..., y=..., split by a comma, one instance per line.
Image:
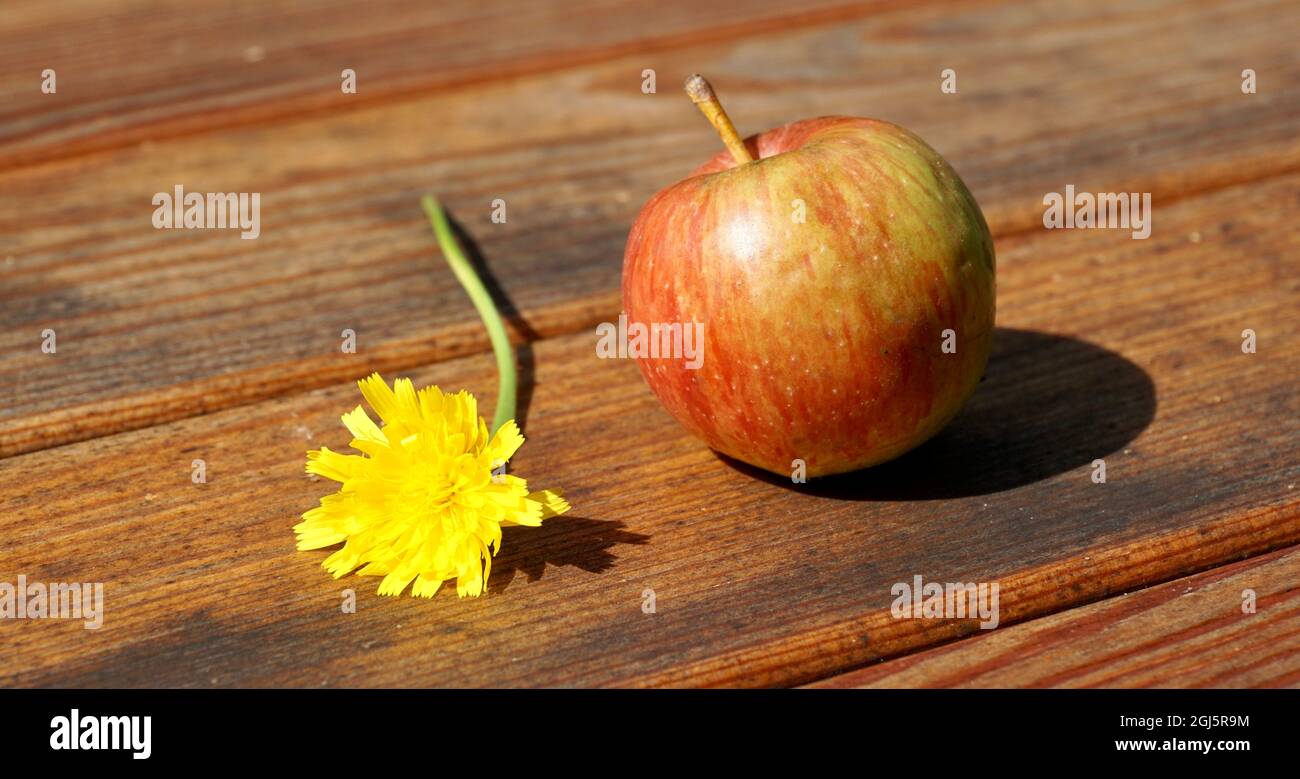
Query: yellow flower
x=422, y=501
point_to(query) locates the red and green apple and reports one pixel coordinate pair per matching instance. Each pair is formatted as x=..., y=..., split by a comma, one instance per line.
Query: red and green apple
x=844, y=277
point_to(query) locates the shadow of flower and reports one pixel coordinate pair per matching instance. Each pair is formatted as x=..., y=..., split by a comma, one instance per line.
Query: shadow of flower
x=564, y=540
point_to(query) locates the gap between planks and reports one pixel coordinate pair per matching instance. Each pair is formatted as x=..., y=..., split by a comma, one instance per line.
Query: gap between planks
x=979, y=655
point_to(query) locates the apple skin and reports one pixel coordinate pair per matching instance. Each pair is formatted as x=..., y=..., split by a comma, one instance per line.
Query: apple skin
x=822, y=339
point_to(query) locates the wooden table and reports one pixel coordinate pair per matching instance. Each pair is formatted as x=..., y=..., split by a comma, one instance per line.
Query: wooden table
x=176, y=345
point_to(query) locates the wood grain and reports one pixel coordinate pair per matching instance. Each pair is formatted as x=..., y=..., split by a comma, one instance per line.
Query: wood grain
x=134, y=71
x=159, y=325
x=1191, y=632
x=1109, y=347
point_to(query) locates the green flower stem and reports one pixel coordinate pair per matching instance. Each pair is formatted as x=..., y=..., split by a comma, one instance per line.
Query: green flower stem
x=460, y=265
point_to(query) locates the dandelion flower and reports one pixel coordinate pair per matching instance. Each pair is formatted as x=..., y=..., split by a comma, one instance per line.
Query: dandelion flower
x=427, y=498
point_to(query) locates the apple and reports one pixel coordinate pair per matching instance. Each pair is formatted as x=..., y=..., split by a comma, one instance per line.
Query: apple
x=844, y=278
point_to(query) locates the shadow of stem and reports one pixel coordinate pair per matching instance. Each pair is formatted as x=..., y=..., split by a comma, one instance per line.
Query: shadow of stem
x=510, y=313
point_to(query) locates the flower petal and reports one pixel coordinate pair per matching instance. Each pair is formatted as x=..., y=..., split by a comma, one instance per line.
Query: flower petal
x=553, y=502
x=333, y=465
x=380, y=397
x=362, y=427
x=504, y=444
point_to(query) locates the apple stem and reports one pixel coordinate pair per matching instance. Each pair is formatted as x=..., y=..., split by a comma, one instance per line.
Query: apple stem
x=701, y=93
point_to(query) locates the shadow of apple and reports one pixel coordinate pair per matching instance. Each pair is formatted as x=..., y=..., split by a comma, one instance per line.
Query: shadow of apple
x=1047, y=404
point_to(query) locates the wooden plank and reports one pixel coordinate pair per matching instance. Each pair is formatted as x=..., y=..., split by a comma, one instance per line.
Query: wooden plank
x=134, y=71
x=1191, y=632
x=1109, y=347
x=158, y=325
